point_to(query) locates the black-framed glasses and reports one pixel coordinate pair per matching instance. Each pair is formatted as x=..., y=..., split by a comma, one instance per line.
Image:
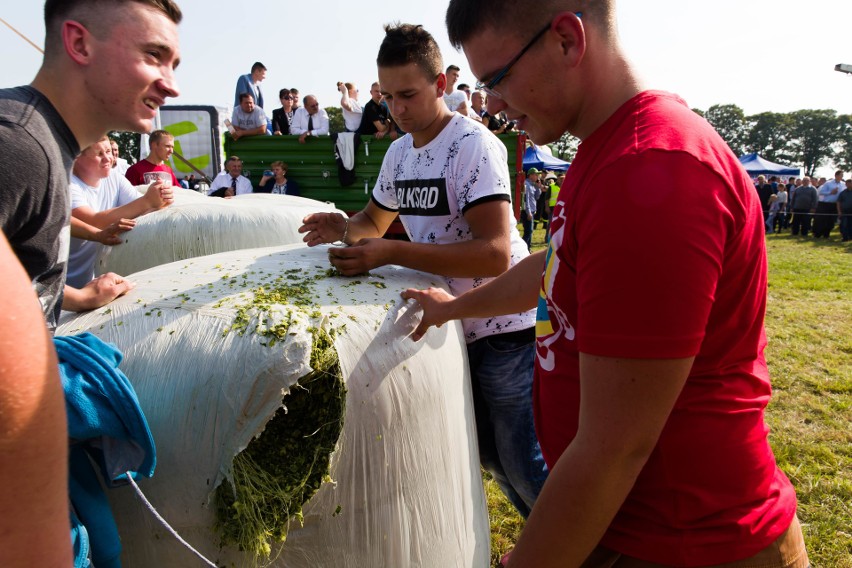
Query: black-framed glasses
x=488, y=86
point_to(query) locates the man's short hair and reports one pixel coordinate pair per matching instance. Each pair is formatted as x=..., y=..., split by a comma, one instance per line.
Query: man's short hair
x=95, y=15
x=453, y=68
x=234, y=159
x=463, y=87
x=467, y=18
x=258, y=66
x=407, y=43
x=157, y=135
x=244, y=96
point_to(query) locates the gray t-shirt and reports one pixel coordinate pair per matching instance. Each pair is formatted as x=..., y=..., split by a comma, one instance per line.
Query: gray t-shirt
x=37, y=150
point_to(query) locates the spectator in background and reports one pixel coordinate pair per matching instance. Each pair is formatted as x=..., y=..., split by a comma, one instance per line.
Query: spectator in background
x=294, y=95
x=465, y=88
x=281, y=117
x=804, y=204
x=231, y=182
x=250, y=83
x=352, y=111
x=764, y=190
x=532, y=191
x=844, y=210
x=375, y=119
x=277, y=183
x=827, y=206
x=456, y=100
x=161, y=146
x=248, y=119
x=101, y=204
x=776, y=222
x=477, y=107
x=119, y=164
x=310, y=120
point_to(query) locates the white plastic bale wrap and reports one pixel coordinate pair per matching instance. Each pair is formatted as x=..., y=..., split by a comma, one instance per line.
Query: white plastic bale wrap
x=197, y=225
x=405, y=472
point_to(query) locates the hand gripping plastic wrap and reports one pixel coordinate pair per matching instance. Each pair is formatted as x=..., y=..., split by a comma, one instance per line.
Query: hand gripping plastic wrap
x=220, y=348
x=197, y=225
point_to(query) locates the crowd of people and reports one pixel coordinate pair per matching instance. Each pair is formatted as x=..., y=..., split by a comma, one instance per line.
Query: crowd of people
x=619, y=384
x=807, y=206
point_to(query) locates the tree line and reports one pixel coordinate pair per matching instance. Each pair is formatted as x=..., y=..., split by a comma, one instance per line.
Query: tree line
x=806, y=138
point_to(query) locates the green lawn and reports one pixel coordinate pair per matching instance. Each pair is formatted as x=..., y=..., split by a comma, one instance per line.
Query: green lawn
x=809, y=327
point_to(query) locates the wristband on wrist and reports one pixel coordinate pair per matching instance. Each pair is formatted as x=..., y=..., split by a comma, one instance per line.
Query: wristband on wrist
x=345, y=232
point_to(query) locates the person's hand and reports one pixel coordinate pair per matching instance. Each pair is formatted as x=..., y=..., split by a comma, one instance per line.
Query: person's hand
x=380, y=134
x=277, y=133
x=361, y=257
x=342, y=88
x=303, y=137
x=323, y=228
x=394, y=134
x=111, y=235
x=103, y=290
x=230, y=192
x=435, y=303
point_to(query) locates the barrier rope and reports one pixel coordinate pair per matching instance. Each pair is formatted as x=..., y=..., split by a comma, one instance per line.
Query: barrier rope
x=163, y=521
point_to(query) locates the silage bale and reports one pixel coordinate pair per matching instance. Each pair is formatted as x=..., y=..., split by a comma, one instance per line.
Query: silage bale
x=197, y=225
x=404, y=487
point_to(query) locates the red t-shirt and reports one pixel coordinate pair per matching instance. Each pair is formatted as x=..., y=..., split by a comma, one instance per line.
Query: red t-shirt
x=658, y=252
x=136, y=173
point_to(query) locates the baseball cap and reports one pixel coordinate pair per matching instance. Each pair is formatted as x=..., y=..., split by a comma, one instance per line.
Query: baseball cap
x=532, y=171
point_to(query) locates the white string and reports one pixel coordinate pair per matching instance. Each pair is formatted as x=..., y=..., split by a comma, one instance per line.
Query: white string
x=163, y=521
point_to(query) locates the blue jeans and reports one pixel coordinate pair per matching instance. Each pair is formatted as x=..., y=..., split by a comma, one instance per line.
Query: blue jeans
x=501, y=371
x=527, y=226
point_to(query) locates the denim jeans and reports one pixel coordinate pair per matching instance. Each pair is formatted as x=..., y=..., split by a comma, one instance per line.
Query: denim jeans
x=501, y=371
x=846, y=225
x=527, y=226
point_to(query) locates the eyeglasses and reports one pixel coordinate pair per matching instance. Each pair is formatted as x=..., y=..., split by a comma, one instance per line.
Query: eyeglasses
x=488, y=87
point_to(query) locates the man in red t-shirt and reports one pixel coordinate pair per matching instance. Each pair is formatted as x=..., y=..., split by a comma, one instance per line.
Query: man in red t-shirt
x=162, y=146
x=650, y=384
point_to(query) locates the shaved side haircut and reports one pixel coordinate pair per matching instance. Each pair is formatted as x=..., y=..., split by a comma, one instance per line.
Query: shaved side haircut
x=407, y=43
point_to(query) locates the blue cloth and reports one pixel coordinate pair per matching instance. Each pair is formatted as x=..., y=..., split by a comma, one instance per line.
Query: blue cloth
x=501, y=376
x=106, y=426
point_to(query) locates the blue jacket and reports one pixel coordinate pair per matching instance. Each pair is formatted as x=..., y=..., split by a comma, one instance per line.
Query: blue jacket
x=107, y=428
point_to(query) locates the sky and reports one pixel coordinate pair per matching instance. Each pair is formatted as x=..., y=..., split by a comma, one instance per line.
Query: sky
x=762, y=55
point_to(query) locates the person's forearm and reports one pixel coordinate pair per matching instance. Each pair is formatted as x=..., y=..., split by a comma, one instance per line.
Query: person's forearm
x=132, y=210
x=82, y=230
x=514, y=291
x=33, y=431
x=580, y=498
x=466, y=259
x=78, y=300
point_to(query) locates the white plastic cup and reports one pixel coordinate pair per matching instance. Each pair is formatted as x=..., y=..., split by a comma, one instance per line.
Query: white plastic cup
x=152, y=177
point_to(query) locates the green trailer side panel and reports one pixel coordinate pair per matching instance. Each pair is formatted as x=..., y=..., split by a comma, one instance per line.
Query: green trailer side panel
x=313, y=167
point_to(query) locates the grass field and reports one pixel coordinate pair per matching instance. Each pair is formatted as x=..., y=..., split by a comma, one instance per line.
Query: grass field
x=809, y=328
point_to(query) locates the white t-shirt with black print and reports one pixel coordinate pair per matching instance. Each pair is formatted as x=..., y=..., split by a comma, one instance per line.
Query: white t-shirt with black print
x=431, y=188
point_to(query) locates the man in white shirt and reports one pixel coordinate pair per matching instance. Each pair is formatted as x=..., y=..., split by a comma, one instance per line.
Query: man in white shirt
x=826, y=213
x=456, y=100
x=248, y=119
x=231, y=182
x=352, y=111
x=447, y=182
x=101, y=198
x=118, y=163
x=309, y=120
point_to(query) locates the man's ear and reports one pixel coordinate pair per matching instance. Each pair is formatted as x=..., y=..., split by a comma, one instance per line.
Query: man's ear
x=77, y=41
x=441, y=84
x=572, y=36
